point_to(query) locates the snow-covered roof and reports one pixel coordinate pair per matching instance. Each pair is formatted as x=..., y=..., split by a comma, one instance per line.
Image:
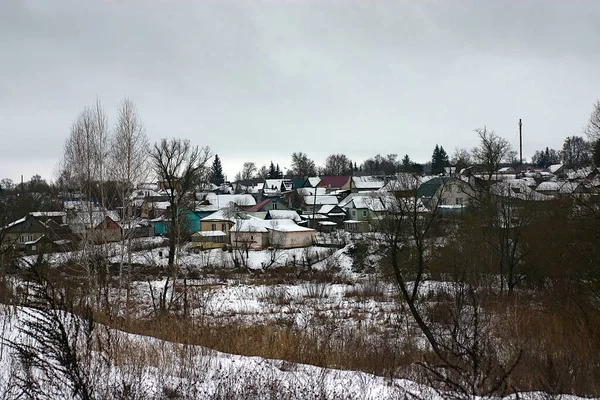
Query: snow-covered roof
x=549, y=186
x=367, y=182
x=568, y=187
x=287, y=225
x=79, y=205
x=314, y=180
x=285, y=214
x=258, y=225
x=554, y=168
x=82, y=218
x=326, y=208
x=517, y=189
x=226, y=200
x=224, y=214
x=319, y=200
x=315, y=216
x=148, y=186
x=404, y=181
x=506, y=170
x=311, y=191
x=327, y=223
x=374, y=201
x=40, y=214
x=579, y=174
x=277, y=184
x=211, y=233
x=160, y=205
x=17, y=222
x=141, y=193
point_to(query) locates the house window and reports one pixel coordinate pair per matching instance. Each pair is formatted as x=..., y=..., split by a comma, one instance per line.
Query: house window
x=459, y=201
x=21, y=239
x=34, y=247
x=213, y=227
x=274, y=206
x=223, y=228
x=251, y=237
x=364, y=213
x=353, y=213
x=29, y=238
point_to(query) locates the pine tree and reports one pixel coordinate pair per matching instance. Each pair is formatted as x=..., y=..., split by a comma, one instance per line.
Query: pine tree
x=406, y=163
x=278, y=173
x=439, y=160
x=216, y=172
x=272, y=172
x=444, y=159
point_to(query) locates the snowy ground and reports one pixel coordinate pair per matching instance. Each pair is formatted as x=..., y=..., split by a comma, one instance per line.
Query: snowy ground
x=350, y=300
x=196, y=372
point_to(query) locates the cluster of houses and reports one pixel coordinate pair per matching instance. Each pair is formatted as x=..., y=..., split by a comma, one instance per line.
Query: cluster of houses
x=285, y=213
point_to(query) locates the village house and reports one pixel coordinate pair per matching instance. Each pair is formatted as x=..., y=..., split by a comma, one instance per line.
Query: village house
x=268, y=204
x=256, y=234
x=366, y=183
x=38, y=231
x=275, y=187
x=99, y=226
x=334, y=183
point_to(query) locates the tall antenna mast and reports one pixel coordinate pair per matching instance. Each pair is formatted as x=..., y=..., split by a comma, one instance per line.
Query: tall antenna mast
x=520, y=142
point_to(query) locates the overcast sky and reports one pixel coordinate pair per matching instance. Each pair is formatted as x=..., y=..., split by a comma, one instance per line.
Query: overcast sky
x=260, y=80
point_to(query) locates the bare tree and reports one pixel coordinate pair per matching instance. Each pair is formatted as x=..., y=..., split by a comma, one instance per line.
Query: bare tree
x=576, y=152
x=247, y=172
x=181, y=167
x=491, y=151
x=85, y=151
x=592, y=130
x=463, y=361
x=302, y=166
x=129, y=166
x=337, y=164
x=461, y=158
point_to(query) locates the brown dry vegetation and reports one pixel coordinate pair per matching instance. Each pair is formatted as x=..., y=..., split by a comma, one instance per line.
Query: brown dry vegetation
x=544, y=335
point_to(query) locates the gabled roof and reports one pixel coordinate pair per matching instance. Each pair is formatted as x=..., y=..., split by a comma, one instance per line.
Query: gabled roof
x=367, y=182
x=429, y=188
x=278, y=184
x=284, y=214
x=554, y=168
x=258, y=206
x=319, y=200
x=517, y=189
x=307, y=191
x=334, y=182
x=224, y=214
x=226, y=200
x=326, y=209
x=82, y=218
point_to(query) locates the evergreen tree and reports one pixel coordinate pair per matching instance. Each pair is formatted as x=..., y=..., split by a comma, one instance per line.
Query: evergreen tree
x=216, y=172
x=406, y=163
x=439, y=160
x=272, y=172
x=278, y=173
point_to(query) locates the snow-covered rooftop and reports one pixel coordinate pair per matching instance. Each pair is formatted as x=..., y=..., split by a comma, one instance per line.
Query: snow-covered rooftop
x=226, y=200
x=319, y=200
x=285, y=214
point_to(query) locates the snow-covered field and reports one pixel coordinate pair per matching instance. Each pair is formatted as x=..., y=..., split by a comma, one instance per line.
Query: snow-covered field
x=196, y=372
x=321, y=292
x=151, y=368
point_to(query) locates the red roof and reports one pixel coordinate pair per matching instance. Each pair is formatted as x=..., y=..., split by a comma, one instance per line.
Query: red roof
x=333, y=181
x=258, y=206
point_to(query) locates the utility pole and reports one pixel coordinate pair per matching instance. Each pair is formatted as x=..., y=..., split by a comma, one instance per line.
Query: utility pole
x=520, y=142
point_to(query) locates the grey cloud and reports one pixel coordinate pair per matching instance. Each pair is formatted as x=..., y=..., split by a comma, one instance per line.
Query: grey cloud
x=260, y=80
